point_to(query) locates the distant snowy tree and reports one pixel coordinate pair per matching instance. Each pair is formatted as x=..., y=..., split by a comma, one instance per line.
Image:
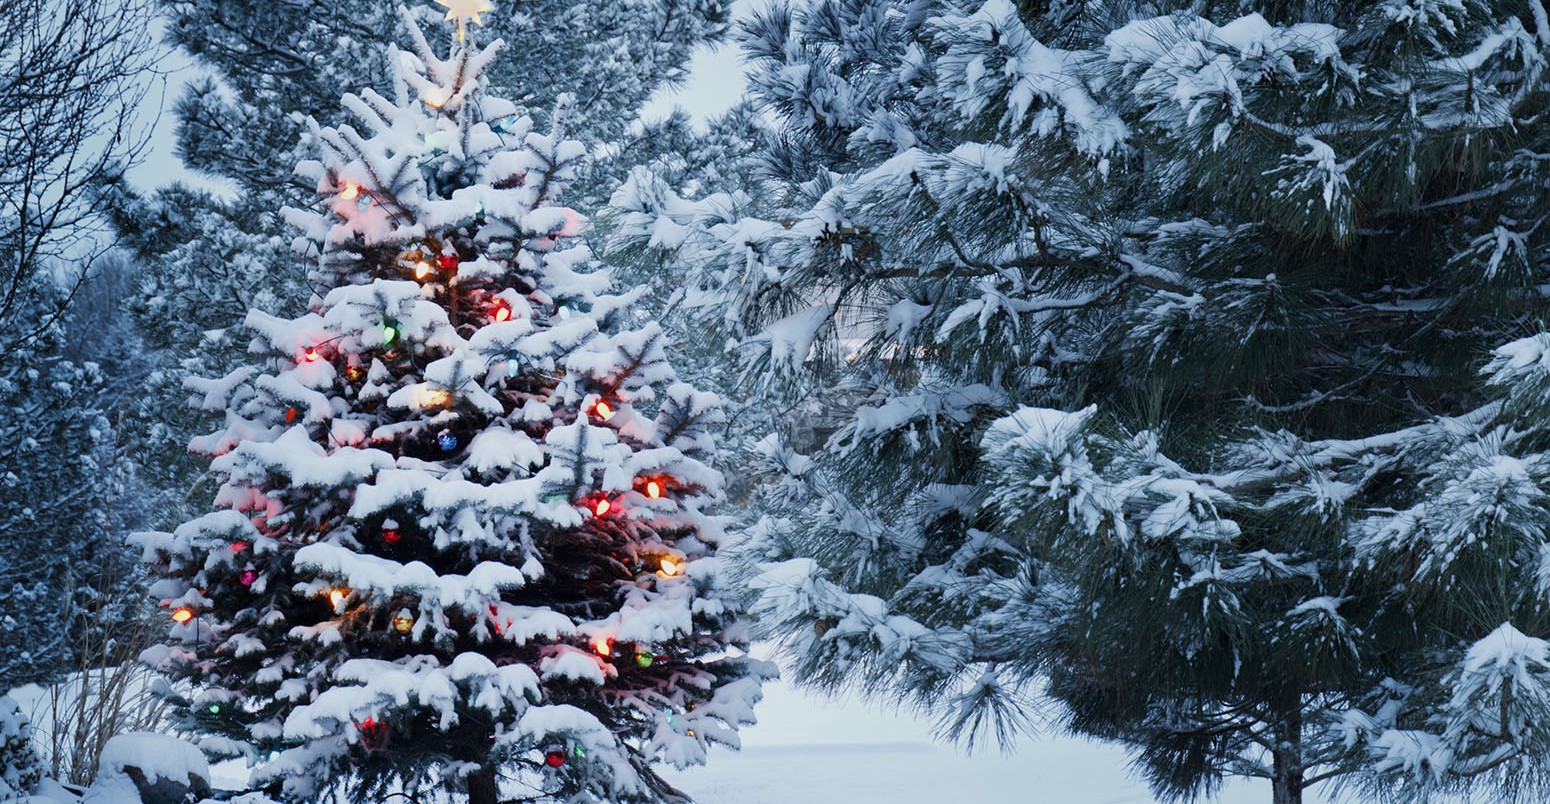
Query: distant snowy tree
x=71, y=80
x=460, y=537
x=1139, y=348
x=64, y=494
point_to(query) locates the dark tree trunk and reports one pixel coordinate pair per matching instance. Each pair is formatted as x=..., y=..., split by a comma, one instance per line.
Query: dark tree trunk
x=482, y=787
x=1287, y=773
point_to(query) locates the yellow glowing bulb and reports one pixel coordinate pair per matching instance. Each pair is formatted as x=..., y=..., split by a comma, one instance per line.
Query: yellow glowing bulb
x=337, y=595
x=653, y=489
x=434, y=99
x=670, y=567
x=350, y=191
x=434, y=398
x=182, y=614
x=602, y=647
x=604, y=412
x=422, y=269
x=602, y=507
x=404, y=622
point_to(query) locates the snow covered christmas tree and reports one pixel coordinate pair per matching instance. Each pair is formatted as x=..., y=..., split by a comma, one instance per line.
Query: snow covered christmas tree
x=459, y=540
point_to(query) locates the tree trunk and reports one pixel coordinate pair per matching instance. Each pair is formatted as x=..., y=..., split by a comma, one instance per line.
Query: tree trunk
x=1288, y=770
x=482, y=787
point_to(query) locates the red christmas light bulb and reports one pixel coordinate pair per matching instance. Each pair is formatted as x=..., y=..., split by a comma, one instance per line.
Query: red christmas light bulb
x=290, y=415
x=447, y=262
x=502, y=311
x=390, y=536
x=247, y=577
x=602, y=507
x=311, y=354
x=372, y=731
x=239, y=546
x=554, y=758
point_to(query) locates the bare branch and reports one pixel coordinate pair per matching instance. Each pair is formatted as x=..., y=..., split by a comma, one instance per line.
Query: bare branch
x=74, y=77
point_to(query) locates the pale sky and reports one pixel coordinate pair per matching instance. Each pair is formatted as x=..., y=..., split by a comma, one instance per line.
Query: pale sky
x=716, y=80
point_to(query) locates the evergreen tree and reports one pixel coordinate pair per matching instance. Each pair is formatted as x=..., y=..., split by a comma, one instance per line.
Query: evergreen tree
x=1166, y=319
x=459, y=536
x=21, y=769
x=65, y=497
x=207, y=257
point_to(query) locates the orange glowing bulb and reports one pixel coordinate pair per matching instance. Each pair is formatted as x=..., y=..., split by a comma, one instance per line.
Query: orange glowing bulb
x=602, y=507
x=434, y=99
x=604, y=412
x=653, y=489
x=311, y=354
x=182, y=614
x=422, y=269
x=669, y=567
x=502, y=312
x=337, y=595
x=602, y=647
x=350, y=191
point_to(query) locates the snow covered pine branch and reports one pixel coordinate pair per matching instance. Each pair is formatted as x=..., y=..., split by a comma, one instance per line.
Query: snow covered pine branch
x=1168, y=332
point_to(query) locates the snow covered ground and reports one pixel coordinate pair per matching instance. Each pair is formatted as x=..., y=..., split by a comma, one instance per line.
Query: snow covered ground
x=810, y=750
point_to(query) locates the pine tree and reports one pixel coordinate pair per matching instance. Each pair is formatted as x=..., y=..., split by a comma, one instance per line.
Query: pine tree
x=209, y=255
x=459, y=538
x=63, y=488
x=1167, y=326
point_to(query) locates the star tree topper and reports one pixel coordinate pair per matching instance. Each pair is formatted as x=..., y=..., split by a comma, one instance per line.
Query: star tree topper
x=462, y=11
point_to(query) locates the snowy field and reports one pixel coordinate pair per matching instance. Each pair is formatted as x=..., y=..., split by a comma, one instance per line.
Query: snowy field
x=809, y=750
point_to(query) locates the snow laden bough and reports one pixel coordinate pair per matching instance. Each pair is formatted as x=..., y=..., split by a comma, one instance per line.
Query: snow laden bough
x=460, y=537
x=1165, y=329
